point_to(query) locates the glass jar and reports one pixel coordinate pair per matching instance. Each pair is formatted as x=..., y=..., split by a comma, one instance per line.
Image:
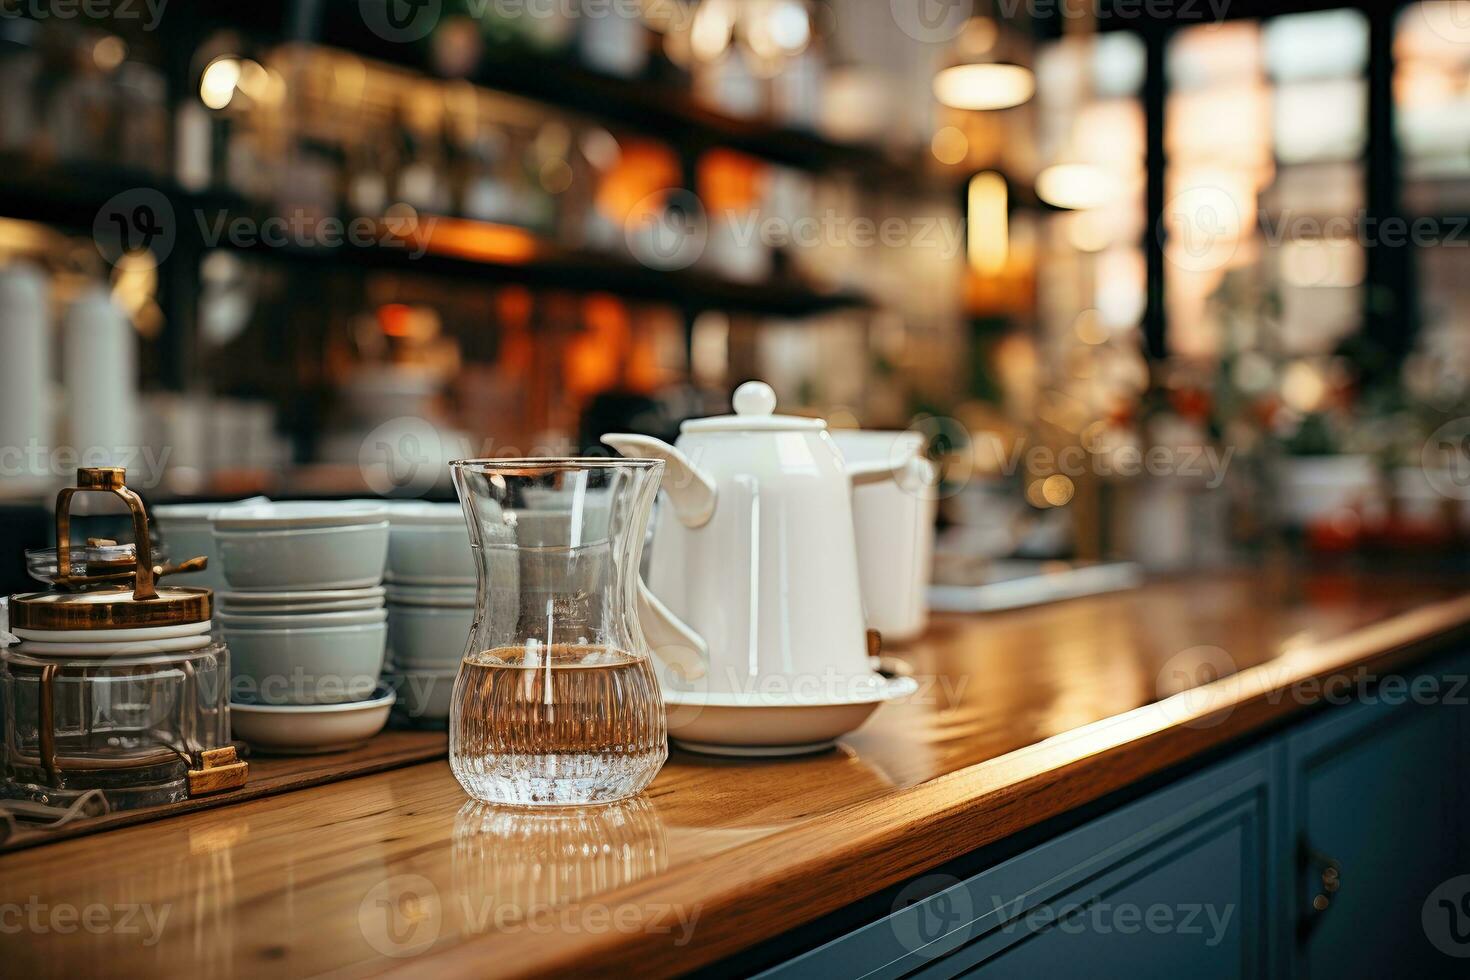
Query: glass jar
x=129, y=724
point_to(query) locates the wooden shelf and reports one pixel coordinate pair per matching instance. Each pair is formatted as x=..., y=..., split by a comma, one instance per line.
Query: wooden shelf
x=665, y=112
x=70, y=196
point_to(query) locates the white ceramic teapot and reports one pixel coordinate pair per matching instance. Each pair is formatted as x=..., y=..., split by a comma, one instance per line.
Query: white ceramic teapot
x=756, y=551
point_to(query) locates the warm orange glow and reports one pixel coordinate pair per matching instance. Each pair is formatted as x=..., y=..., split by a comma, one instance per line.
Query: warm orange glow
x=988, y=223
x=394, y=319
x=478, y=241
x=729, y=181
x=594, y=358
x=642, y=169
x=517, y=353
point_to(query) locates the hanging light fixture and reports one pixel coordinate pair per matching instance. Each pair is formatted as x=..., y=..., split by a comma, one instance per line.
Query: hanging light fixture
x=989, y=77
x=1076, y=186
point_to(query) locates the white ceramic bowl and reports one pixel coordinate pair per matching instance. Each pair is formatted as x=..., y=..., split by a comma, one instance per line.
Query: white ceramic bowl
x=304, y=597
x=311, y=665
x=429, y=544
x=424, y=696
x=314, y=558
x=297, y=515
x=188, y=530
x=231, y=607
x=300, y=620
x=430, y=595
x=429, y=637
x=308, y=729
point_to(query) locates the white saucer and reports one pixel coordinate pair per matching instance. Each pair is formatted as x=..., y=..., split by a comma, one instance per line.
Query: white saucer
x=138, y=635
x=764, y=724
x=309, y=729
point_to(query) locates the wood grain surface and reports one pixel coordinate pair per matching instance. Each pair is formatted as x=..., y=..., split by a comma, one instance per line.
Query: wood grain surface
x=1020, y=717
x=268, y=775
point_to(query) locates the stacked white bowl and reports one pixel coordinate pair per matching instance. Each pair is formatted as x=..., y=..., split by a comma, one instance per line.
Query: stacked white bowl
x=304, y=617
x=431, y=606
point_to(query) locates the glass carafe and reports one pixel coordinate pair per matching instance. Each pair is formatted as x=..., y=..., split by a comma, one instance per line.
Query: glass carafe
x=556, y=702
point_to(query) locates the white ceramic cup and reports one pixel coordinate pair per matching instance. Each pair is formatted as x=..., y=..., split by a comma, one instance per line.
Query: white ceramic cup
x=895, y=531
x=310, y=665
x=302, y=620
x=429, y=637
x=429, y=544
x=188, y=531
x=313, y=558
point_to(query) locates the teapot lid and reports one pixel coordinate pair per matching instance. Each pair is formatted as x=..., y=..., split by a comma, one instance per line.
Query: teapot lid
x=755, y=404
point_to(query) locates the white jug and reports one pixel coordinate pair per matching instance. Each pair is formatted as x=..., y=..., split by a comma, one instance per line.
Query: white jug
x=757, y=552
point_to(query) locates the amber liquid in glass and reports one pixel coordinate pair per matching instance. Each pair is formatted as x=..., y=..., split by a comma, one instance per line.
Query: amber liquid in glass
x=570, y=723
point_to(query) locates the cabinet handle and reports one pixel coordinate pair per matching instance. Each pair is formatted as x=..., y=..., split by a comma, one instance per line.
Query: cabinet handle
x=1331, y=880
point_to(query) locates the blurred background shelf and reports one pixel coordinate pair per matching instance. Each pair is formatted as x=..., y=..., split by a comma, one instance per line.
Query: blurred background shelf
x=69, y=197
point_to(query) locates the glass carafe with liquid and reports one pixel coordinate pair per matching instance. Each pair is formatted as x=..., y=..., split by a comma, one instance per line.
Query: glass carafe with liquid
x=557, y=701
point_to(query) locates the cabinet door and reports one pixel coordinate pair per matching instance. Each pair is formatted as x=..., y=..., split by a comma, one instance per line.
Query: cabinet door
x=1171, y=885
x=1375, y=793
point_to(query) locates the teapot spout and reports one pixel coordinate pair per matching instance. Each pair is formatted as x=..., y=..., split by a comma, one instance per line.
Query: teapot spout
x=690, y=489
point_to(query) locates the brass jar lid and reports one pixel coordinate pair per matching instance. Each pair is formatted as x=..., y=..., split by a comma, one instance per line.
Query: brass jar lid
x=78, y=605
x=115, y=608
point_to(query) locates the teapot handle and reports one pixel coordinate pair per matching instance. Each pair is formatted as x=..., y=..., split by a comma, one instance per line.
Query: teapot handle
x=677, y=646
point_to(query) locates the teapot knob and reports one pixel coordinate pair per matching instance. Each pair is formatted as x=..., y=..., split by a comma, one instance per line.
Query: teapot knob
x=754, y=398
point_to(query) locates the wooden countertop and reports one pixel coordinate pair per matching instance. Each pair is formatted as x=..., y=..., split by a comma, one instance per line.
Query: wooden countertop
x=1020, y=717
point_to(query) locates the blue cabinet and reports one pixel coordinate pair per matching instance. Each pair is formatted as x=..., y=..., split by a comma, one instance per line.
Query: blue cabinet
x=1310, y=855
x=1172, y=885
x=1375, y=795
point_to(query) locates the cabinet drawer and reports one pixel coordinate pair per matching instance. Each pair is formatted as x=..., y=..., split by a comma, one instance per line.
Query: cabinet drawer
x=1170, y=885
